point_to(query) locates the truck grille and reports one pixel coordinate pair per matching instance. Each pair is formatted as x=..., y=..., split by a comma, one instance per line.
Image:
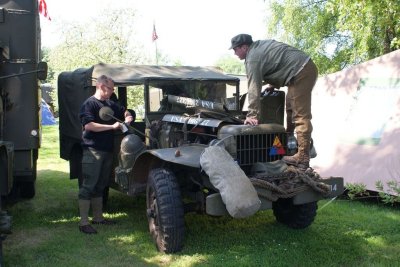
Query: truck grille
x=254, y=148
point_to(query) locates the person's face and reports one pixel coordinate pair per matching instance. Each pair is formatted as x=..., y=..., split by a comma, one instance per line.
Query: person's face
x=241, y=51
x=107, y=88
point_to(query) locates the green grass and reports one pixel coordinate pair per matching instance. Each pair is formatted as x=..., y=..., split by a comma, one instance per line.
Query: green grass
x=45, y=231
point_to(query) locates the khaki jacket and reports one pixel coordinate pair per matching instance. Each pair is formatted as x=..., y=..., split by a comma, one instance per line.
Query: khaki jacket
x=270, y=62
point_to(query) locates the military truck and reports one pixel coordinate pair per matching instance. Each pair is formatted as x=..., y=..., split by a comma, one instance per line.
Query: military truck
x=20, y=71
x=188, y=111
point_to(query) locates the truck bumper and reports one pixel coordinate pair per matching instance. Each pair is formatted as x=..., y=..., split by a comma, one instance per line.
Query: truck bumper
x=216, y=207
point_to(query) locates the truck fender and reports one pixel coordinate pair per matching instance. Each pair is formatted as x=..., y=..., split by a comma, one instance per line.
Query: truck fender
x=187, y=155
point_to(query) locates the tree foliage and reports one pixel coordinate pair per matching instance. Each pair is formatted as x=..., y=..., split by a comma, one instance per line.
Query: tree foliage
x=230, y=65
x=337, y=33
x=108, y=38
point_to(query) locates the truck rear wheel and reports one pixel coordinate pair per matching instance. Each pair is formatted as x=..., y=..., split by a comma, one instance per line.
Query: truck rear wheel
x=27, y=189
x=27, y=184
x=294, y=216
x=165, y=210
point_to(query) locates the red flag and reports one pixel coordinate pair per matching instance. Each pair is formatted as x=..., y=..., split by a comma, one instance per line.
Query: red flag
x=43, y=9
x=154, y=36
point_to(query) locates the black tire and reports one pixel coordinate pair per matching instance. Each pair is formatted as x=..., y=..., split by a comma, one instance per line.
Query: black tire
x=27, y=189
x=165, y=212
x=1, y=250
x=27, y=185
x=3, y=173
x=294, y=216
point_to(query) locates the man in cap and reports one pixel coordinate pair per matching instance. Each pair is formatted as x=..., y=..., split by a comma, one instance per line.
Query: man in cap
x=278, y=64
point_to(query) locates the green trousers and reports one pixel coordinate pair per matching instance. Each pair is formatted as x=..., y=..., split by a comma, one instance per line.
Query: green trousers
x=96, y=172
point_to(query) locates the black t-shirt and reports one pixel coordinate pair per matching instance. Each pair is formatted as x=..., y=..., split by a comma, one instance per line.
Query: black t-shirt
x=90, y=113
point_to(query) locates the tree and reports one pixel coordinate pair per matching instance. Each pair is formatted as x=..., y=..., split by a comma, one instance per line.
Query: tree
x=107, y=38
x=230, y=65
x=337, y=33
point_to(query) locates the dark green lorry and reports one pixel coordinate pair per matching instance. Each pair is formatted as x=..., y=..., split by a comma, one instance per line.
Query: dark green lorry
x=186, y=111
x=20, y=121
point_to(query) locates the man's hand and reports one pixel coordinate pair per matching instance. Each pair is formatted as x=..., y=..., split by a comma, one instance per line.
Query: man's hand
x=268, y=89
x=251, y=121
x=116, y=126
x=128, y=119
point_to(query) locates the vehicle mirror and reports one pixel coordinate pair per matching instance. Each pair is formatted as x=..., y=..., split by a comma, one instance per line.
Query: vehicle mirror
x=42, y=71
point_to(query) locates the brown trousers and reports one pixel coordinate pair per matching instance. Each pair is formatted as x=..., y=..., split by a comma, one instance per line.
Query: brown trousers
x=298, y=100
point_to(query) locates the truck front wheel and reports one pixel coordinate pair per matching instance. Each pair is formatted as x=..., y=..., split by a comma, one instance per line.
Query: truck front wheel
x=294, y=216
x=165, y=210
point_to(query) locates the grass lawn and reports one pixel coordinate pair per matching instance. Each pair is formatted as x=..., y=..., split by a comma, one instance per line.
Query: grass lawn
x=45, y=231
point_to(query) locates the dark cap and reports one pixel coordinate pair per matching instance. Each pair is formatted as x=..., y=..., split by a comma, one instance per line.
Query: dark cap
x=241, y=39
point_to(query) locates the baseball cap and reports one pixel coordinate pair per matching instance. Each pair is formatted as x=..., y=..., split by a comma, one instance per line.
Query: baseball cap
x=241, y=39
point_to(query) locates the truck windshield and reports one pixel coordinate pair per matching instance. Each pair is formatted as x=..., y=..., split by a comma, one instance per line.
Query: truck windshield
x=187, y=91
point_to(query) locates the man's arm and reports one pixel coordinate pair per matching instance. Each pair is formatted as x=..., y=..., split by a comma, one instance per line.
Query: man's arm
x=254, y=82
x=98, y=127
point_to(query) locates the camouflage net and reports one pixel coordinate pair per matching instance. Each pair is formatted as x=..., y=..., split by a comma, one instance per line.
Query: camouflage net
x=289, y=183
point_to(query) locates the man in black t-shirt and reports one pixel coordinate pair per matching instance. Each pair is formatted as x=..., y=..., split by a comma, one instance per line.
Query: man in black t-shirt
x=97, y=144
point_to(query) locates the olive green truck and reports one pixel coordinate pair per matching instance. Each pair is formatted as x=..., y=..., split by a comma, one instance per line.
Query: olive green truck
x=20, y=72
x=189, y=151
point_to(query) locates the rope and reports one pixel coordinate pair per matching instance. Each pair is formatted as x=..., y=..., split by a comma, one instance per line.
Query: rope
x=289, y=183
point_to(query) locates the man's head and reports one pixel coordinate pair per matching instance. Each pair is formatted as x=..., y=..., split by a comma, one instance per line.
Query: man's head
x=240, y=40
x=240, y=44
x=104, y=87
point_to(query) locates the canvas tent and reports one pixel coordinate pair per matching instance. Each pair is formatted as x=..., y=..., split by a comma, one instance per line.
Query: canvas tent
x=47, y=115
x=356, y=118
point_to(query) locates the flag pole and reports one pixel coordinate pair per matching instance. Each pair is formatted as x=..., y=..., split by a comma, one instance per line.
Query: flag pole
x=154, y=38
x=156, y=52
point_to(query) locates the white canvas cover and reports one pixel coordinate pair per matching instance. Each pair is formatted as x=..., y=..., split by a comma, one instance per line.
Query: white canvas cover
x=237, y=192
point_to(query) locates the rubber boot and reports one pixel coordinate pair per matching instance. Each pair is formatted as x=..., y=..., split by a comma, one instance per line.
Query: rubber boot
x=97, y=209
x=84, y=206
x=301, y=159
x=84, y=226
